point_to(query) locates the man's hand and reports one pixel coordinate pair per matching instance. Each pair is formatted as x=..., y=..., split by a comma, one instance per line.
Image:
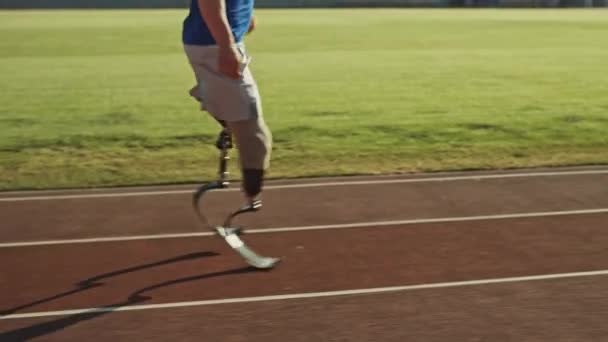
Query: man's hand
x=252, y=24
x=229, y=62
x=214, y=14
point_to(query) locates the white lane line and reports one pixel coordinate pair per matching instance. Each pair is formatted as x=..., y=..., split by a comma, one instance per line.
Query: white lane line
x=372, y=224
x=367, y=291
x=103, y=239
x=312, y=185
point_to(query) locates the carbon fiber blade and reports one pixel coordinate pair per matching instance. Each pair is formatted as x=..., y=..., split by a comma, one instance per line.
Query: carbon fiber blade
x=251, y=257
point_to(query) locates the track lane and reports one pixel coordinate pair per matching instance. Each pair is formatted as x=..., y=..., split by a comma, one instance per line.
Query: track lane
x=45, y=278
x=499, y=312
x=125, y=216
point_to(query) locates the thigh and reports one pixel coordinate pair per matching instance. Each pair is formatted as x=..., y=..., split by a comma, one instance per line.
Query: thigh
x=254, y=142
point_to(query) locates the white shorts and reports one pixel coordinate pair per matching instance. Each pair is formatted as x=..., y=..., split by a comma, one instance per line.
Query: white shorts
x=235, y=102
x=224, y=98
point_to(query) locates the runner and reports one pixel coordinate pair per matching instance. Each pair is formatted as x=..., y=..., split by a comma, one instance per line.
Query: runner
x=213, y=36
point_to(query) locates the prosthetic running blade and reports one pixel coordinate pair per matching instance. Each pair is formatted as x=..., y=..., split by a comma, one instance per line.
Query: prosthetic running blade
x=232, y=234
x=227, y=231
x=252, y=258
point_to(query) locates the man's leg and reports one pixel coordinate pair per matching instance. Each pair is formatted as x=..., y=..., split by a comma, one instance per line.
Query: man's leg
x=237, y=104
x=254, y=143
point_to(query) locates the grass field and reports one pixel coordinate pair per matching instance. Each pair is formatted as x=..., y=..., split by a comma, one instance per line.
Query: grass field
x=98, y=98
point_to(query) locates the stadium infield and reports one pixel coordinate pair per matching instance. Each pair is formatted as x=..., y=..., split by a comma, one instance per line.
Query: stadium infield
x=99, y=98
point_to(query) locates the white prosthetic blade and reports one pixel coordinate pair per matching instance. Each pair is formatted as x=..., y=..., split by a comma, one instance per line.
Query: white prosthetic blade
x=251, y=257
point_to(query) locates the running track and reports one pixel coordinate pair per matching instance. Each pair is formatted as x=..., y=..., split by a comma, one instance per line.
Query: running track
x=482, y=256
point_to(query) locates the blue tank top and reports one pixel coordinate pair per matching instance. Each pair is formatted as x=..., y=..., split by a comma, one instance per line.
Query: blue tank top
x=195, y=31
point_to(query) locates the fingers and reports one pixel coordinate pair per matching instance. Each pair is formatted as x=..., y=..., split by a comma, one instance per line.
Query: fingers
x=232, y=71
x=252, y=24
x=229, y=63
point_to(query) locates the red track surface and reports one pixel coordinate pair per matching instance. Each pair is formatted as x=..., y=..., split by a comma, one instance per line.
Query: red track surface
x=39, y=279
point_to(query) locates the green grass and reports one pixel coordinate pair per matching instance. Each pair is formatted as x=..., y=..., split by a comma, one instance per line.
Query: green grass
x=98, y=98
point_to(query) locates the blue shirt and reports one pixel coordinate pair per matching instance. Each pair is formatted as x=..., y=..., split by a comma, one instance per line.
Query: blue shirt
x=195, y=31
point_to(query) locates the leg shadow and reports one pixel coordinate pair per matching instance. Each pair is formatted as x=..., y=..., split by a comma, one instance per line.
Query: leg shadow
x=94, y=282
x=141, y=293
x=42, y=329
x=136, y=298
